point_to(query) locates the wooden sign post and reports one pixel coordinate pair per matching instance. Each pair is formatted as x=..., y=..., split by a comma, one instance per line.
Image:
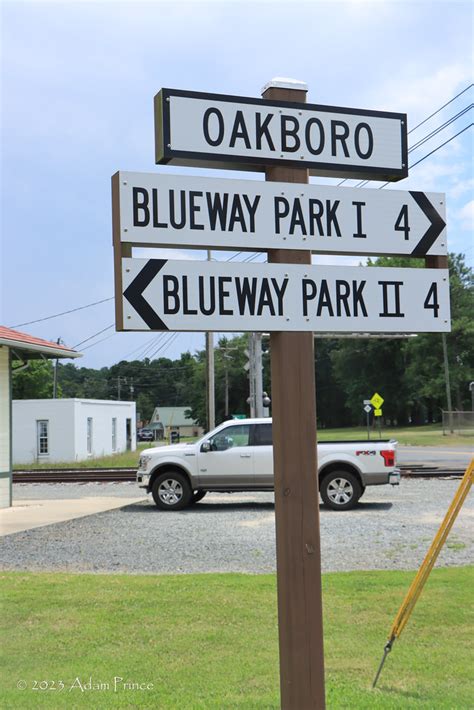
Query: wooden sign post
x=287, y=138
x=295, y=466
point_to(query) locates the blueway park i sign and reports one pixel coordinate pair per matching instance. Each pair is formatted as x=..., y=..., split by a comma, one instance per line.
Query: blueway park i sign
x=217, y=130
x=183, y=211
x=159, y=294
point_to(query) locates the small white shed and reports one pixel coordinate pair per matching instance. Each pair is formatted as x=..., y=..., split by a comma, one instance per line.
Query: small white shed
x=16, y=350
x=66, y=430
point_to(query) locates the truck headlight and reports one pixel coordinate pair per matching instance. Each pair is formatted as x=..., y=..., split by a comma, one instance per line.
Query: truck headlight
x=144, y=462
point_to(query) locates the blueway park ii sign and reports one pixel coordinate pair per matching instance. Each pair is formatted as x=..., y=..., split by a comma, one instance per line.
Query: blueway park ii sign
x=218, y=130
x=183, y=211
x=159, y=294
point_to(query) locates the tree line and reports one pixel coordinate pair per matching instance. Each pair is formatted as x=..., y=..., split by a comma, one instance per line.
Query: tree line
x=408, y=372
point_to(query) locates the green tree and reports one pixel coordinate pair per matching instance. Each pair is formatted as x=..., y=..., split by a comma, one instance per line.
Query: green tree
x=409, y=373
x=34, y=382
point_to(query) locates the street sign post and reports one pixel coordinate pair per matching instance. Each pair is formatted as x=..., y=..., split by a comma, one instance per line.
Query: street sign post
x=217, y=130
x=289, y=297
x=367, y=410
x=159, y=294
x=170, y=210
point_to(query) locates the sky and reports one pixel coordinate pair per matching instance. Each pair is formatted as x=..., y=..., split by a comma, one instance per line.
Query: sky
x=78, y=82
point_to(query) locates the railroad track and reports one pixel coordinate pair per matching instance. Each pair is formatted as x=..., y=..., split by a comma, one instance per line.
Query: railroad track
x=75, y=475
x=116, y=475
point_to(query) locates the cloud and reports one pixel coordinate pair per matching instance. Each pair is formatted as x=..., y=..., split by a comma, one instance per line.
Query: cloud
x=466, y=216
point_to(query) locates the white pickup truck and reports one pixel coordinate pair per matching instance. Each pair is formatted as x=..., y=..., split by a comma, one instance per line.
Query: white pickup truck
x=238, y=456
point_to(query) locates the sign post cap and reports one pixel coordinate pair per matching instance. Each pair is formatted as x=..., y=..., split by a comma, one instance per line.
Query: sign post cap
x=282, y=82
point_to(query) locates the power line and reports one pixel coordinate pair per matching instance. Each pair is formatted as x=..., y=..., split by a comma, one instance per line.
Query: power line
x=145, y=348
x=423, y=140
x=164, y=343
x=56, y=315
x=99, y=341
x=441, y=108
x=364, y=182
x=95, y=334
x=434, y=151
x=440, y=128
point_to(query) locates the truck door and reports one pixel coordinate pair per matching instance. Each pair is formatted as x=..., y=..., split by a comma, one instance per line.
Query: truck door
x=263, y=455
x=229, y=463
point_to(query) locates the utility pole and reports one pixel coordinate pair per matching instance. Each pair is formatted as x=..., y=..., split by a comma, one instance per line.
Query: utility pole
x=448, y=383
x=210, y=381
x=55, y=375
x=251, y=364
x=119, y=385
x=226, y=357
x=258, y=399
x=258, y=374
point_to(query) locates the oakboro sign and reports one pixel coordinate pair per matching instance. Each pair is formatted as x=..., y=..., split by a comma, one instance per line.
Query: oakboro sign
x=242, y=133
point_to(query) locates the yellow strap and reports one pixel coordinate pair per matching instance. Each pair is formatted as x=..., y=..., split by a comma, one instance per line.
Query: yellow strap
x=432, y=554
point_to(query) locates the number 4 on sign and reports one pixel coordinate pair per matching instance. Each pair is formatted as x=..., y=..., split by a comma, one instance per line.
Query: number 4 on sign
x=401, y=225
x=431, y=300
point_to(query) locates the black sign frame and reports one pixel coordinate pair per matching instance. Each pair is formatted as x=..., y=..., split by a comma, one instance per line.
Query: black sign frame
x=166, y=155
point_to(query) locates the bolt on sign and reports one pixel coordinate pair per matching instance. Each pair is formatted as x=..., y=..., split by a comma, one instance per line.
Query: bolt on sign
x=160, y=294
x=242, y=133
x=166, y=210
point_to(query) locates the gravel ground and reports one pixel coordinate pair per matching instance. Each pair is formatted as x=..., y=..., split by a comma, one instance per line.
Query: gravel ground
x=391, y=529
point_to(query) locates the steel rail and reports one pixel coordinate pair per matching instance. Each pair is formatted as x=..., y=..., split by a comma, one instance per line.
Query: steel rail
x=111, y=475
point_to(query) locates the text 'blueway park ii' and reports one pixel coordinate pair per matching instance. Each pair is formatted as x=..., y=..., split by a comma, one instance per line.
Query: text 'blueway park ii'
x=184, y=211
x=195, y=295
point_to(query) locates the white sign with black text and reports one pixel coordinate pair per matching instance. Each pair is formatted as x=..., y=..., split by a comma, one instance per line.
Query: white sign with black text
x=217, y=130
x=181, y=211
x=159, y=294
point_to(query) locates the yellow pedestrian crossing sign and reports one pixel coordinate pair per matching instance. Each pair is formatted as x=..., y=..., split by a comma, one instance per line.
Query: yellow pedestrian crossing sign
x=377, y=401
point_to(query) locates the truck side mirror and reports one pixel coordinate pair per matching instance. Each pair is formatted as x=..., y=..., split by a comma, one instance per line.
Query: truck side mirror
x=206, y=447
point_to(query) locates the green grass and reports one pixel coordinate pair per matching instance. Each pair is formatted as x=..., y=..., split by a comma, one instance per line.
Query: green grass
x=128, y=459
x=427, y=435
x=210, y=641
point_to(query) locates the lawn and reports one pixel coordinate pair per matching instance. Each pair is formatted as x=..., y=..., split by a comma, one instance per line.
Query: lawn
x=427, y=435
x=210, y=641
x=127, y=459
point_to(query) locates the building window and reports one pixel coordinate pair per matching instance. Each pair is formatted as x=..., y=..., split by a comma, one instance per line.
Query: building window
x=114, y=433
x=42, y=437
x=89, y=436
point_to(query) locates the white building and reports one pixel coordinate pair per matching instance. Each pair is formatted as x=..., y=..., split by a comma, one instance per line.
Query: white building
x=16, y=351
x=66, y=430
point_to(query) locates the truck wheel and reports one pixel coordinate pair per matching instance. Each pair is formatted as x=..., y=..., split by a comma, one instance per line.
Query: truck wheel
x=197, y=496
x=340, y=490
x=171, y=491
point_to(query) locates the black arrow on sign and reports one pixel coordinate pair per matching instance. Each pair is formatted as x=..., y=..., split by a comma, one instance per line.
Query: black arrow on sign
x=134, y=294
x=434, y=230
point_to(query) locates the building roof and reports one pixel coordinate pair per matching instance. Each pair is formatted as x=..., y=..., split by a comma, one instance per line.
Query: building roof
x=28, y=346
x=172, y=416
